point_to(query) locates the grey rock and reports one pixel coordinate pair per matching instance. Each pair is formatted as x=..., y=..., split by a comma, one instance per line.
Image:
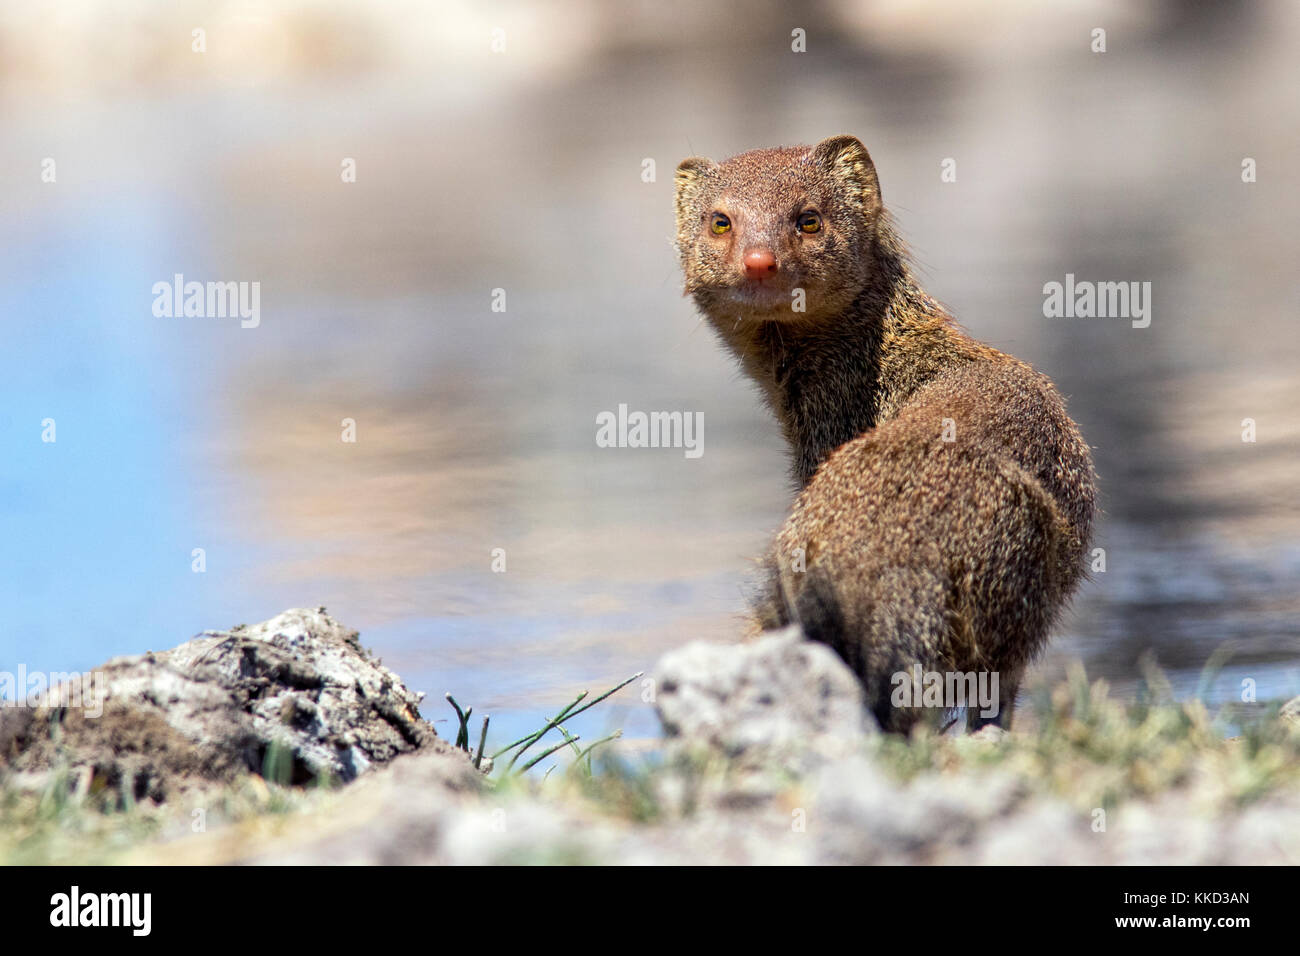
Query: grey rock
x=793, y=773
x=298, y=687
x=861, y=815
x=778, y=698
x=1041, y=832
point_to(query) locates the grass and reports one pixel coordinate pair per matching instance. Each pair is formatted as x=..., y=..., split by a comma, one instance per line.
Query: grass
x=81, y=821
x=1076, y=743
x=1098, y=752
x=522, y=745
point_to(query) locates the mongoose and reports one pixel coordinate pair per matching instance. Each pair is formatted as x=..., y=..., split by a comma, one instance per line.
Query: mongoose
x=946, y=498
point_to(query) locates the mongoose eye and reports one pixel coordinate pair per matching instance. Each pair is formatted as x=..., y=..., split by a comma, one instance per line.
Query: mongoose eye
x=720, y=224
x=809, y=222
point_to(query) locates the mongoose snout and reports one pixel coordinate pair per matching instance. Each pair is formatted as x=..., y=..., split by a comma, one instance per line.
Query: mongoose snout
x=760, y=264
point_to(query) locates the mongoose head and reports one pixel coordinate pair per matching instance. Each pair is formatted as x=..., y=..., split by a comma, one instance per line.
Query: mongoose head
x=756, y=230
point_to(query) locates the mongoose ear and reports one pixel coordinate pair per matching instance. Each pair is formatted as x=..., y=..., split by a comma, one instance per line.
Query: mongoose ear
x=847, y=160
x=691, y=176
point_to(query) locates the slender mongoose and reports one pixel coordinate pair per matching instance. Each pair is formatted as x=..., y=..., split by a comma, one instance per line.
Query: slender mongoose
x=946, y=498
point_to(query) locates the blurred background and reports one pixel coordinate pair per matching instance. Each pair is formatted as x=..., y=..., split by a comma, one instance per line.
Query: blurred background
x=501, y=146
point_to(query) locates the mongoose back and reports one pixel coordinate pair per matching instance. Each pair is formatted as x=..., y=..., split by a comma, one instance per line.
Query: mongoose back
x=946, y=498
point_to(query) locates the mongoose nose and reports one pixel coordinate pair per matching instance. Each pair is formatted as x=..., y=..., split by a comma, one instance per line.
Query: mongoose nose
x=759, y=263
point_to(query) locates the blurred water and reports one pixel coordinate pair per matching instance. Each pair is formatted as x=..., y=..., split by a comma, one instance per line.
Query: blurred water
x=476, y=429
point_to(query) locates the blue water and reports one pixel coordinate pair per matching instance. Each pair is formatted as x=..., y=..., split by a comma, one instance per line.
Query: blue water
x=477, y=428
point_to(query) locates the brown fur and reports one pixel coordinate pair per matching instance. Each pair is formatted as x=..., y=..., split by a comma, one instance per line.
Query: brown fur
x=951, y=555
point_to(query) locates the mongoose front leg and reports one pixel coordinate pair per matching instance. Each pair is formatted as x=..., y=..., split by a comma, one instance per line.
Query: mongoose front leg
x=1008, y=685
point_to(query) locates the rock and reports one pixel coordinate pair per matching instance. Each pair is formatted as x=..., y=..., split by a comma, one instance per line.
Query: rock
x=1042, y=832
x=295, y=696
x=859, y=814
x=1290, y=712
x=775, y=699
x=793, y=772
